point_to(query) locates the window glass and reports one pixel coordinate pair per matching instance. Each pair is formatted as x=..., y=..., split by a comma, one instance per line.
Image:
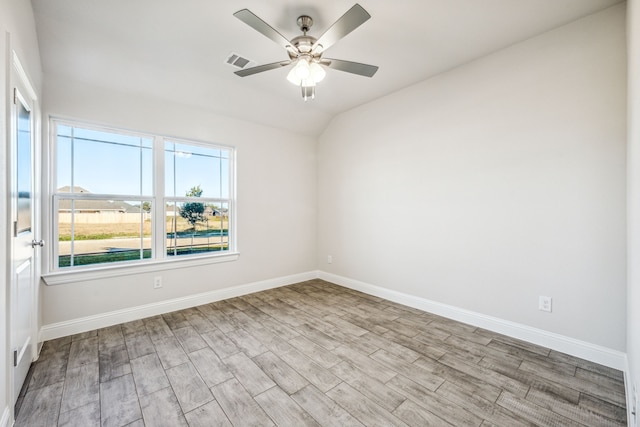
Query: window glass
x=199, y=224
x=101, y=231
x=24, y=169
x=63, y=148
x=196, y=228
x=189, y=165
x=105, y=163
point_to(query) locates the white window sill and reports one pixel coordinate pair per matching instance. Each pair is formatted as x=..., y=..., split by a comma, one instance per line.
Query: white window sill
x=82, y=275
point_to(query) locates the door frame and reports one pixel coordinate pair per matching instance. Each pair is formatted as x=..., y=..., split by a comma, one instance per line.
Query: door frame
x=17, y=77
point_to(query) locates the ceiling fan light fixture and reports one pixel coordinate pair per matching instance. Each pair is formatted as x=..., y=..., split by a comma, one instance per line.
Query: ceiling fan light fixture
x=306, y=73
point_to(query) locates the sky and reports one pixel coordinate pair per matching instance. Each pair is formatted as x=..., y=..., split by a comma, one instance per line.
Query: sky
x=109, y=163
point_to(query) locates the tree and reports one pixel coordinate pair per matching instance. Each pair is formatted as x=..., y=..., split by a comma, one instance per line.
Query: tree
x=146, y=206
x=193, y=211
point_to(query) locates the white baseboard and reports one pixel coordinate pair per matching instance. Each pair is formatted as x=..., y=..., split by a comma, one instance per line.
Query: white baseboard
x=4, y=420
x=582, y=349
x=89, y=323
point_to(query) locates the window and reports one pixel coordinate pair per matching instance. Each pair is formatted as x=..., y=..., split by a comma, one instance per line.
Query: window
x=122, y=197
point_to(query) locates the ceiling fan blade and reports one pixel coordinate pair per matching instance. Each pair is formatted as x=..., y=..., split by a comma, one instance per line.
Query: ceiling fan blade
x=260, y=68
x=348, y=22
x=249, y=18
x=350, y=67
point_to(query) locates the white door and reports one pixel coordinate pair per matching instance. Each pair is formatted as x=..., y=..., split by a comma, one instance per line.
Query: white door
x=24, y=248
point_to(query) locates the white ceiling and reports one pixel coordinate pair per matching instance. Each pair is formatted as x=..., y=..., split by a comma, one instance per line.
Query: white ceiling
x=175, y=50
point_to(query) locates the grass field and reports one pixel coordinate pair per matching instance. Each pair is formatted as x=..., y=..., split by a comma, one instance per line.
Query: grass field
x=111, y=231
x=88, y=259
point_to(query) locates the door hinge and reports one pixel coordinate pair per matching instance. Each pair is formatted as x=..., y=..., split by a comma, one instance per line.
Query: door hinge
x=15, y=95
x=15, y=228
x=15, y=358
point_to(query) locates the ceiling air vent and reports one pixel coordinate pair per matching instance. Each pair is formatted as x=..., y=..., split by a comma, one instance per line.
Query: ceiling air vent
x=237, y=61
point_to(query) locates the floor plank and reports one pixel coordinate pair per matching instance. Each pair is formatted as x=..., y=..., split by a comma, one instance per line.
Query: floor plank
x=375, y=390
x=148, y=374
x=83, y=351
x=284, y=410
x=246, y=342
x=119, y=403
x=314, y=373
x=84, y=416
x=50, y=368
x=209, y=415
x=210, y=367
x=190, y=339
x=367, y=411
x=282, y=374
x=41, y=406
x=434, y=403
x=114, y=362
x=139, y=344
x=573, y=412
x=253, y=379
x=170, y=352
x=239, y=406
x=188, y=387
x=533, y=413
x=322, y=357
x=415, y=415
x=161, y=408
x=578, y=384
x=220, y=343
x=324, y=409
x=81, y=386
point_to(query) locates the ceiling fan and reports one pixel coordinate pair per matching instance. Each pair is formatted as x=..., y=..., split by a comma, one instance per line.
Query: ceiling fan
x=305, y=51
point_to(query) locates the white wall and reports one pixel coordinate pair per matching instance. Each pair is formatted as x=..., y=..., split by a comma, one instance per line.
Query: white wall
x=492, y=184
x=17, y=32
x=633, y=199
x=276, y=187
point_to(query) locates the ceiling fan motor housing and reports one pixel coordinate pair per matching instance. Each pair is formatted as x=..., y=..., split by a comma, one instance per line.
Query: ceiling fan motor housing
x=303, y=45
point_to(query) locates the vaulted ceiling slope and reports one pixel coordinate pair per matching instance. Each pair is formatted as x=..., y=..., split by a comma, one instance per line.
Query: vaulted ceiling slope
x=176, y=50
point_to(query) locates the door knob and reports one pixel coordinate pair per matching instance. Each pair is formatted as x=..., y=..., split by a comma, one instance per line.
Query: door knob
x=35, y=243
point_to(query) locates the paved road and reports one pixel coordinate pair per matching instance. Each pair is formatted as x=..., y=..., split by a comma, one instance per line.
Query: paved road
x=110, y=245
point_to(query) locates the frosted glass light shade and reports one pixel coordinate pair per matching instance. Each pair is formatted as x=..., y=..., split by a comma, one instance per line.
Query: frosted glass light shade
x=292, y=76
x=300, y=71
x=317, y=72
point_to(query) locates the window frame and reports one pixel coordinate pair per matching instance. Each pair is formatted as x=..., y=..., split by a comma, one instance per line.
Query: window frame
x=159, y=259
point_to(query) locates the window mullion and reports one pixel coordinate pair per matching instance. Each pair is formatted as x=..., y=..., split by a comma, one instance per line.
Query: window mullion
x=159, y=204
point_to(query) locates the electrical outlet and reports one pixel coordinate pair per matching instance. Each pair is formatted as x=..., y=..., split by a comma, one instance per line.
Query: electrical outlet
x=329, y=259
x=157, y=282
x=544, y=304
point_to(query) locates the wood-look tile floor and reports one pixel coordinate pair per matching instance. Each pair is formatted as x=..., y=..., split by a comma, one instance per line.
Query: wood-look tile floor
x=312, y=354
